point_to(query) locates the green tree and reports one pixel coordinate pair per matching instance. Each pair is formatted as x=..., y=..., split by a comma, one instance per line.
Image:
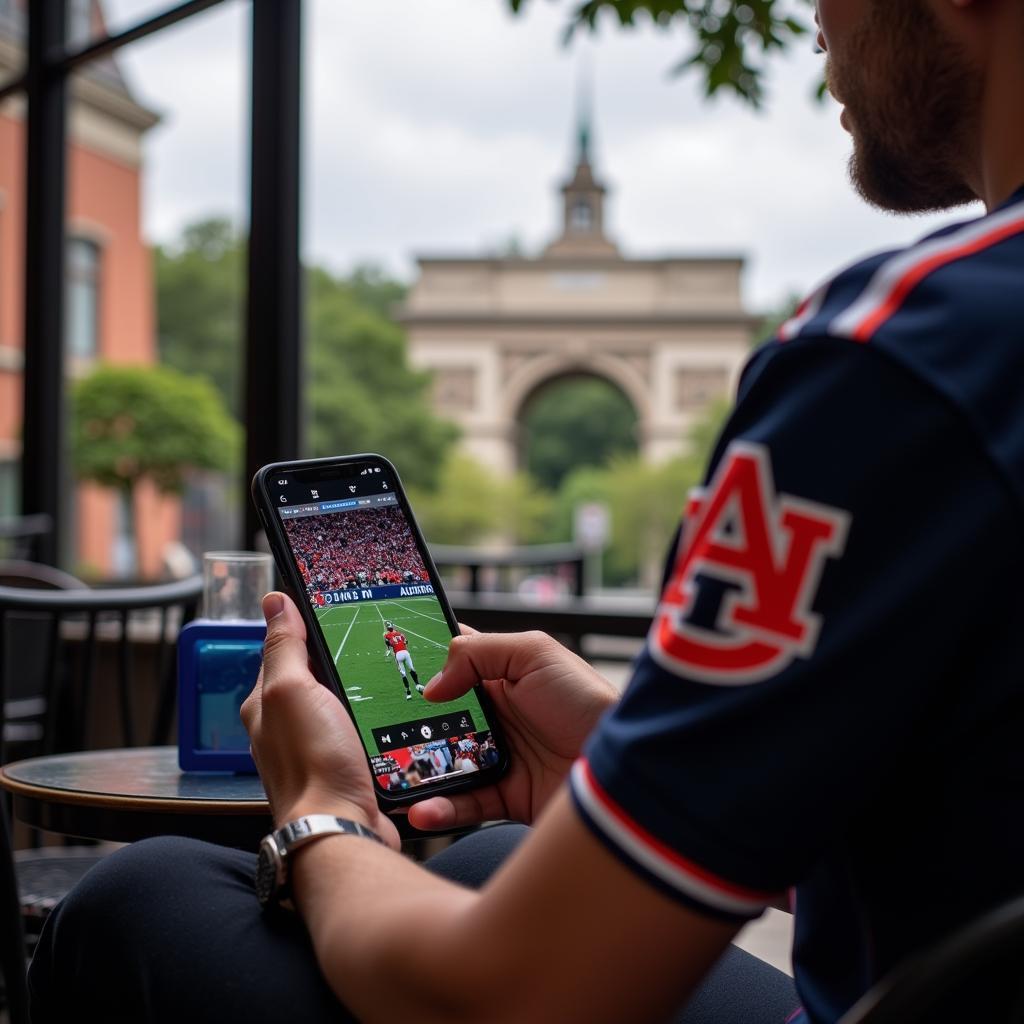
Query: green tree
x=645, y=501
x=363, y=394
x=200, y=292
x=573, y=423
x=470, y=505
x=731, y=41
x=131, y=423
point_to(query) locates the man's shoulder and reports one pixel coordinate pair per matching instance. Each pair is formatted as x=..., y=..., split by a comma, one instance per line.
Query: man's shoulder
x=964, y=279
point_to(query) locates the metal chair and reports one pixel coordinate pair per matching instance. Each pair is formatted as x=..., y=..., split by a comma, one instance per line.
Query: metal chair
x=52, y=646
x=22, y=717
x=977, y=974
x=34, y=576
x=76, y=626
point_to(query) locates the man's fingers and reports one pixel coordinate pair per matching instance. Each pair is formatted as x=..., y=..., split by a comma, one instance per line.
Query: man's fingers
x=478, y=656
x=285, y=658
x=442, y=812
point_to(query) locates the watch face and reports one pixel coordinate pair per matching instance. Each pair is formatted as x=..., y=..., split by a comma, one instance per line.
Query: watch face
x=266, y=872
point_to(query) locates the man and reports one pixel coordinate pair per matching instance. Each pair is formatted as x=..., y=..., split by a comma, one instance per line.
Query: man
x=829, y=702
x=396, y=644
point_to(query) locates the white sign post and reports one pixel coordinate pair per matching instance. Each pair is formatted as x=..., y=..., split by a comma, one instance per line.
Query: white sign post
x=592, y=527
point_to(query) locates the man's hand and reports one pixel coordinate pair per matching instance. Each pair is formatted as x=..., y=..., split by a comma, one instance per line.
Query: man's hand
x=304, y=743
x=548, y=701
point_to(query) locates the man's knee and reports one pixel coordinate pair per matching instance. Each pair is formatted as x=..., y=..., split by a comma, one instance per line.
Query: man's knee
x=134, y=893
x=472, y=859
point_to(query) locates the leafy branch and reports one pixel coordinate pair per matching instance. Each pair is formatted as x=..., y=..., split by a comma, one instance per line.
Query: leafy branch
x=732, y=41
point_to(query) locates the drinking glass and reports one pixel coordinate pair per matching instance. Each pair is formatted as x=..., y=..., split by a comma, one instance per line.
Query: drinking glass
x=234, y=583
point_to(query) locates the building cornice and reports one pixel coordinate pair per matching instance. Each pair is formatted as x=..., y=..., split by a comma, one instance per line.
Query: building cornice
x=85, y=88
x=589, y=321
x=558, y=263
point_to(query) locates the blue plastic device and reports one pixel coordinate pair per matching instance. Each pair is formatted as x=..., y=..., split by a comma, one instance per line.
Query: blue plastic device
x=218, y=663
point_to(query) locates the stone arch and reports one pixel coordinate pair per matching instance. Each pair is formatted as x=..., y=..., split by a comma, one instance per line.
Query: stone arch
x=529, y=378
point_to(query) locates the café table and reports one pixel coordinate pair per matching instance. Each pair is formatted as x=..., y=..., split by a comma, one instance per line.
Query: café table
x=128, y=794
x=136, y=792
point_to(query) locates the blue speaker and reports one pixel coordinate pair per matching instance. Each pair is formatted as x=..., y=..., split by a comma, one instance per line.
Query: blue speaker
x=218, y=663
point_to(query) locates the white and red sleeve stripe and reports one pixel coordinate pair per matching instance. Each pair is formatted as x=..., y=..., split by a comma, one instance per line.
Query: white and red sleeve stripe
x=657, y=858
x=893, y=282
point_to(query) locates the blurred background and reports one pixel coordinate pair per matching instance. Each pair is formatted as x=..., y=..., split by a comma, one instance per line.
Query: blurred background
x=533, y=267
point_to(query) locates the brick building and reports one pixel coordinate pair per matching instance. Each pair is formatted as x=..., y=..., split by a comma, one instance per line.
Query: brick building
x=109, y=301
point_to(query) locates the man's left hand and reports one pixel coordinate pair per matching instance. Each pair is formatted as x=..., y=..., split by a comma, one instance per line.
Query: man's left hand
x=304, y=742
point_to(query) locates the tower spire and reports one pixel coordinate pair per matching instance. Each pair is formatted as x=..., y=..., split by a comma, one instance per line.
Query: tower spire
x=584, y=110
x=583, y=195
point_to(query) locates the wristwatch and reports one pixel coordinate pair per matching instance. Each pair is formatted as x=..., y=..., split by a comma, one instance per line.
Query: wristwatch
x=273, y=875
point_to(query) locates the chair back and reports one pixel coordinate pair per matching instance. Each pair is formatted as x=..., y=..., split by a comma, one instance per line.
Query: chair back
x=976, y=974
x=21, y=536
x=53, y=642
x=35, y=576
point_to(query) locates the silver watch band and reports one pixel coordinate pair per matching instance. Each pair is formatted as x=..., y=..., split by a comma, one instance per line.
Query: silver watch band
x=302, y=830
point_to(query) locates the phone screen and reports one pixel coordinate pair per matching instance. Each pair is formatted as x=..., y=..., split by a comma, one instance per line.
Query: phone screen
x=382, y=623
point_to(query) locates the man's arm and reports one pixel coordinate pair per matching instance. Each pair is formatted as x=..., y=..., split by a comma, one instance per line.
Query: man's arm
x=564, y=931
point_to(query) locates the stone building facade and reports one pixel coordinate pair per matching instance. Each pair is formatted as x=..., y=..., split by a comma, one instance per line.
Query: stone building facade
x=670, y=333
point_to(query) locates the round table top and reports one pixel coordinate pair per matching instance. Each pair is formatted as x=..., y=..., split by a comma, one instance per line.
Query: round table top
x=140, y=778
x=137, y=792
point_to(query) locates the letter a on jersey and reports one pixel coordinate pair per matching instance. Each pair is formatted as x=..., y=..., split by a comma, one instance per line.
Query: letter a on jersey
x=771, y=550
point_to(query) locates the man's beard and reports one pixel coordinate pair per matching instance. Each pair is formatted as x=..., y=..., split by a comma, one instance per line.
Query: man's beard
x=913, y=105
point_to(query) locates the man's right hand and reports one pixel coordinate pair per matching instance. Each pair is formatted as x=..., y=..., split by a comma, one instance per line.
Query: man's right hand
x=548, y=701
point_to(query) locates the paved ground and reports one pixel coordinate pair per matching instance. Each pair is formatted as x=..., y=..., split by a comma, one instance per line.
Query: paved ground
x=771, y=939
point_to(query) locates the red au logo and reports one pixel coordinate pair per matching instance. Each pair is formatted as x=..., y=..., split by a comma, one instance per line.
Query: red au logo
x=772, y=548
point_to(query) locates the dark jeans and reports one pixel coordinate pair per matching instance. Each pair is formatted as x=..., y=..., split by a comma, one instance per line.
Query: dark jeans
x=169, y=930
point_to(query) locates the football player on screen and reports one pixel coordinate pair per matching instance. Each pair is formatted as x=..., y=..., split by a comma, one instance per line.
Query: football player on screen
x=396, y=644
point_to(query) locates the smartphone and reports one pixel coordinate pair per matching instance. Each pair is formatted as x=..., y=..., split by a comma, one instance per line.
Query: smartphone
x=378, y=623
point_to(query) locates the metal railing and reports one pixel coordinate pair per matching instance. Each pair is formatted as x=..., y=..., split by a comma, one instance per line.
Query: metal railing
x=595, y=627
x=504, y=563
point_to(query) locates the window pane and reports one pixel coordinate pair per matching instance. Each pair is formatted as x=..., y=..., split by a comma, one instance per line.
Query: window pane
x=83, y=299
x=8, y=488
x=12, y=40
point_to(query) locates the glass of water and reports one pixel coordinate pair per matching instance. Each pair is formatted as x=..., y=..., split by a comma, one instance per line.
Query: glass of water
x=234, y=583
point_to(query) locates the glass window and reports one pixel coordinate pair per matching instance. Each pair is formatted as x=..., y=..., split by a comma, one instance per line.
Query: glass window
x=8, y=488
x=79, y=23
x=82, y=329
x=582, y=216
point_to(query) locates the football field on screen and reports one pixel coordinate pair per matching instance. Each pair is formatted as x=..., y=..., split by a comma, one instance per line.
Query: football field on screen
x=355, y=636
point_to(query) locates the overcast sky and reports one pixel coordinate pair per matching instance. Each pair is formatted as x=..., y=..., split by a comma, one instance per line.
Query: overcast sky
x=446, y=125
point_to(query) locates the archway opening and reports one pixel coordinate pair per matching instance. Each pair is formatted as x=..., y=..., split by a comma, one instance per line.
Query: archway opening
x=572, y=421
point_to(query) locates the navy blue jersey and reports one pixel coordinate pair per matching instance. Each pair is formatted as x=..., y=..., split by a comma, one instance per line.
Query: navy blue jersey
x=831, y=697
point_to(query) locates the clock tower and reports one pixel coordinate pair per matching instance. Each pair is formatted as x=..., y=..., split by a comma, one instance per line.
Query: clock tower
x=583, y=207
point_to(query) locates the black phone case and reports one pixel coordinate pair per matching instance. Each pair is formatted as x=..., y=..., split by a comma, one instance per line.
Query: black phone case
x=326, y=672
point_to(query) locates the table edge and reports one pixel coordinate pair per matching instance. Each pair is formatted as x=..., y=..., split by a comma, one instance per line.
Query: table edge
x=167, y=805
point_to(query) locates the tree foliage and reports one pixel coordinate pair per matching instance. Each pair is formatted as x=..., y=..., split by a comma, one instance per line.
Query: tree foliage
x=645, y=501
x=471, y=505
x=200, y=291
x=131, y=423
x=731, y=42
x=361, y=392
x=573, y=423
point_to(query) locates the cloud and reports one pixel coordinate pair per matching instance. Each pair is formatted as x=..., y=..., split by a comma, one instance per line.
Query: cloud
x=447, y=125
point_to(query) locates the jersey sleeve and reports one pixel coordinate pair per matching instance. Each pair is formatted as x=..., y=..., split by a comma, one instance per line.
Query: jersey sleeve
x=821, y=597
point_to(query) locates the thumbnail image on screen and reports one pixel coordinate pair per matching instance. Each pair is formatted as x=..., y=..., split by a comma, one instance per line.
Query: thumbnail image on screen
x=387, y=634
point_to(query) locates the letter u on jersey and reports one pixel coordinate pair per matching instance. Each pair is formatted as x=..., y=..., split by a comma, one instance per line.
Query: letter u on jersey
x=772, y=548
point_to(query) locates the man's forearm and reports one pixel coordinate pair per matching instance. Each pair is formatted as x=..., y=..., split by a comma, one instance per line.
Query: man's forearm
x=365, y=908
